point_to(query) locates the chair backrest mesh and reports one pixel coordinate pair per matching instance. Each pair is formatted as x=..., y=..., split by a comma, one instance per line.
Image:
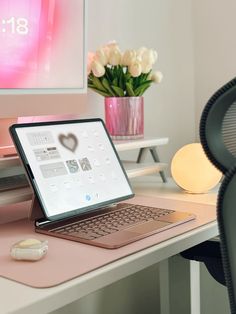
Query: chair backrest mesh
x=226, y=216
x=229, y=129
x=218, y=127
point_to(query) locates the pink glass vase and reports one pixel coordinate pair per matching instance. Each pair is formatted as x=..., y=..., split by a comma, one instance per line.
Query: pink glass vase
x=124, y=117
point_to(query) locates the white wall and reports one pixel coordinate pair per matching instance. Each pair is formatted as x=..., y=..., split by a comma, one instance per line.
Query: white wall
x=165, y=25
x=215, y=48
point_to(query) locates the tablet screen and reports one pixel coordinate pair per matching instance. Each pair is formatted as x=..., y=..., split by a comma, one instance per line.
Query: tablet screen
x=72, y=165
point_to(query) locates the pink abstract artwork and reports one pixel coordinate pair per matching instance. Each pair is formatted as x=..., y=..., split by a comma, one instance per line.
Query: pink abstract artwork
x=27, y=29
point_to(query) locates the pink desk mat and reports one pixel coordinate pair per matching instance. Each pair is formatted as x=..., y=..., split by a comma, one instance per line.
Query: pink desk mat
x=66, y=259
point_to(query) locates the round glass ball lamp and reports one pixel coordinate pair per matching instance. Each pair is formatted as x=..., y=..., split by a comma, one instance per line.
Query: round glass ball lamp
x=192, y=171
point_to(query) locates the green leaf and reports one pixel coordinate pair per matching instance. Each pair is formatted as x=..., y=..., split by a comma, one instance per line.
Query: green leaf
x=90, y=77
x=127, y=76
x=90, y=85
x=118, y=91
x=98, y=84
x=106, y=84
x=141, y=92
x=141, y=89
x=116, y=71
x=136, y=82
x=108, y=74
x=105, y=94
x=145, y=76
x=121, y=72
x=129, y=89
x=145, y=88
x=122, y=82
x=115, y=81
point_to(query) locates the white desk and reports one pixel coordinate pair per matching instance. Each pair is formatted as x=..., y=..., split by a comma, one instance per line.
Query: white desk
x=20, y=299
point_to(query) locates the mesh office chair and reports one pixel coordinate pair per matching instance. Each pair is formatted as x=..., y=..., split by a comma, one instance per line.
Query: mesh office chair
x=218, y=138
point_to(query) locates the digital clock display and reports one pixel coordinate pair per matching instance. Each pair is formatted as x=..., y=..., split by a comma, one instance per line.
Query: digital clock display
x=15, y=25
x=41, y=44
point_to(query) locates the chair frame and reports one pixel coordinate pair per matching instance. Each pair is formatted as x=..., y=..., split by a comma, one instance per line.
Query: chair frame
x=226, y=217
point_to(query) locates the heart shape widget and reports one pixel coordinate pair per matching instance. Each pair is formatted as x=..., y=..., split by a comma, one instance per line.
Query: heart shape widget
x=25, y=35
x=69, y=141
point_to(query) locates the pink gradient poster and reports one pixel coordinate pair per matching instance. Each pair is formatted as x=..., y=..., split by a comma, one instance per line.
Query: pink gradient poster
x=41, y=44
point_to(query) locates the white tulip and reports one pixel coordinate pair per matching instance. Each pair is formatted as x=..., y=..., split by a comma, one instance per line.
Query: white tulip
x=149, y=56
x=157, y=77
x=140, y=51
x=97, y=69
x=101, y=56
x=146, y=67
x=112, y=45
x=128, y=57
x=106, y=51
x=114, y=56
x=139, y=59
x=108, y=47
x=135, y=68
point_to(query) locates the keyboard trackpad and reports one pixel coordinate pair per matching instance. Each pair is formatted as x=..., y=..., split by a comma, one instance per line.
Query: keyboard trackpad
x=148, y=227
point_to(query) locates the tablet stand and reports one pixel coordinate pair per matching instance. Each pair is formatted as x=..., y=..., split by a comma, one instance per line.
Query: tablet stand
x=36, y=212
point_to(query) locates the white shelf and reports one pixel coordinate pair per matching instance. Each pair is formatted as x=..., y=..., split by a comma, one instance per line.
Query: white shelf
x=7, y=162
x=144, y=142
x=15, y=196
x=134, y=170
